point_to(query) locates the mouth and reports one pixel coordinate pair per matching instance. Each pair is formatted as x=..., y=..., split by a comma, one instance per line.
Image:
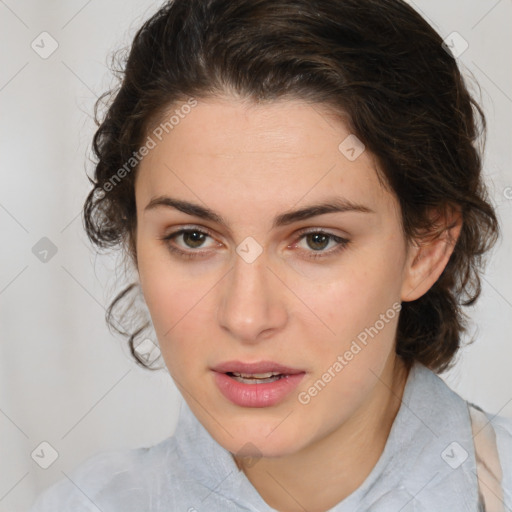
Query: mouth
x=255, y=368
x=254, y=373
x=256, y=384
x=258, y=378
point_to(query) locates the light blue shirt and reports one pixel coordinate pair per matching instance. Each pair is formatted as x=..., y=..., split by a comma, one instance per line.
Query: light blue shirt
x=428, y=464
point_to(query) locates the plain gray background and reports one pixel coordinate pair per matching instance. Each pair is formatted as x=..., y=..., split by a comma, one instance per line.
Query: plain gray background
x=64, y=378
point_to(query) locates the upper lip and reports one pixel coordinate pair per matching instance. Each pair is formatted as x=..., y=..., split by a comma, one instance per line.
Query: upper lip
x=255, y=368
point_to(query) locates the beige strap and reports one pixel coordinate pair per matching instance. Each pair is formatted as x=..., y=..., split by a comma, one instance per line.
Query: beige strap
x=488, y=465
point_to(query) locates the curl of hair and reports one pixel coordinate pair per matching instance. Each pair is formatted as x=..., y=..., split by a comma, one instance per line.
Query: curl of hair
x=377, y=64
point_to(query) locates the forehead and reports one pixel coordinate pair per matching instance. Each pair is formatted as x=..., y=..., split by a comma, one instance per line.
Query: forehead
x=229, y=126
x=231, y=152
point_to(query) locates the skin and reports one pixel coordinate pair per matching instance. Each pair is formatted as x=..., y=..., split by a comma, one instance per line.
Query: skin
x=250, y=163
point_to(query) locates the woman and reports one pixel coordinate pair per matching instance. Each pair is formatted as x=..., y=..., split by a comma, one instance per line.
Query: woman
x=299, y=188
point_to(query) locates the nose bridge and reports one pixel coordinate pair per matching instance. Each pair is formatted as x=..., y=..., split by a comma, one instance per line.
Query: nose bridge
x=251, y=301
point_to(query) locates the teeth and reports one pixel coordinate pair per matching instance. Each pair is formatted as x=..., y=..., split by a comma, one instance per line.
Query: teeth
x=252, y=379
x=255, y=375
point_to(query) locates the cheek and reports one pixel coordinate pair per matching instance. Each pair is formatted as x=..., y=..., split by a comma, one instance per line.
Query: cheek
x=155, y=279
x=362, y=311
x=359, y=308
x=176, y=302
x=352, y=297
x=175, y=312
x=162, y=289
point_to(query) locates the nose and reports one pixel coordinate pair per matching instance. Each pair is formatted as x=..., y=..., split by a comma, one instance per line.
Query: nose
x=252, y=304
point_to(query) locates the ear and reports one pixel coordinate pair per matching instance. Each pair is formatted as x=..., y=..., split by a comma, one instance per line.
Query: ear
x=428, y=255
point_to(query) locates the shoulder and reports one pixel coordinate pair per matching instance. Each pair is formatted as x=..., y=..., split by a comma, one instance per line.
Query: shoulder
x=503, y=429
x=492, y=435
x=113, y=477
x=451, y=418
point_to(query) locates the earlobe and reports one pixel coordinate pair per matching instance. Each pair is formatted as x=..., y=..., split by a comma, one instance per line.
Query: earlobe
x=428, y=257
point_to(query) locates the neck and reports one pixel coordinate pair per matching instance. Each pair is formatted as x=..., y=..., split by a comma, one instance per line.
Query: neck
x=321, y=475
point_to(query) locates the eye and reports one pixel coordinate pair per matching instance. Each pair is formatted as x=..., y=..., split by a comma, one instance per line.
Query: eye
x=317, y=241
x=192, y=238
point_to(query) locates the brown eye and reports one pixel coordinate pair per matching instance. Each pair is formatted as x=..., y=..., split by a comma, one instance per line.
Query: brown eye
x=318, y=241
x=193, y=239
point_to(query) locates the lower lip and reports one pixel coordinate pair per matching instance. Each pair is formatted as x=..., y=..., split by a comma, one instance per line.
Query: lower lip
x=256, y=395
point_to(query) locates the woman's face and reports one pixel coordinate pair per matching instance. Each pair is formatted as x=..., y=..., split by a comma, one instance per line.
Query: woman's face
x=254, y=282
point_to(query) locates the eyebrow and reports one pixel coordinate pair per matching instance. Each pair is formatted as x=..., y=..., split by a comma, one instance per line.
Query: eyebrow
x=331, y=205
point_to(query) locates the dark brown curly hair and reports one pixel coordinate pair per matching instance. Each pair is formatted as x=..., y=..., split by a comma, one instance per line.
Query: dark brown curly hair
x=377, y=63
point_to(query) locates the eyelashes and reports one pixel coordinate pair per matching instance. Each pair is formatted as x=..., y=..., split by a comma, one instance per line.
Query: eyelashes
x=318, y=236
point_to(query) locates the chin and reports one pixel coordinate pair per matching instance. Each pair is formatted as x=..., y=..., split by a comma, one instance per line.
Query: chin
x=261, y=448
x=260, y=439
